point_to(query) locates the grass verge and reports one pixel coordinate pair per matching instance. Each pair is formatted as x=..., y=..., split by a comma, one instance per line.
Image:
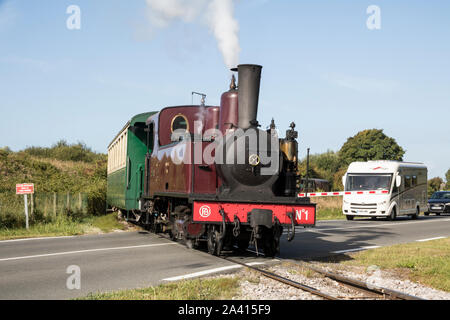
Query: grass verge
x=328, y=208
x=63, y=226
x=329, y=214
x=425, y=262
x=197, y=289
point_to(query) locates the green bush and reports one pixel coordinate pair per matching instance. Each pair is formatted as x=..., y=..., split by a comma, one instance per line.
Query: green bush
x=323, y=166
x=434, y=185
x=447, y=177
x=66, y=152
x=97, y=198
x=62, y=169
x=47, y=207
x=11, y=211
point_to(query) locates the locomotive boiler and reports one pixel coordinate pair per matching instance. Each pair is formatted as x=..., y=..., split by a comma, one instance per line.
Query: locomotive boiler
x=209, y=174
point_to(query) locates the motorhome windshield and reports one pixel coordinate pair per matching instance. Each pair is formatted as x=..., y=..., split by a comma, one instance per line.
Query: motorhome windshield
x=361, y=182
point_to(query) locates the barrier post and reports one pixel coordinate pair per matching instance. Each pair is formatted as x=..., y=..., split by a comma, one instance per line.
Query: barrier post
x=307, y=173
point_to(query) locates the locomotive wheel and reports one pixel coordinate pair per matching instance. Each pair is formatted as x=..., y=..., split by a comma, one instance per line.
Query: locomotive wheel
x=172, y=235
x=243, y=240
x=189, y=243
x=270, y=251
x=179, y=212
x=243, y=244
x=172, y=230
x=270, y=246
x=219, y=244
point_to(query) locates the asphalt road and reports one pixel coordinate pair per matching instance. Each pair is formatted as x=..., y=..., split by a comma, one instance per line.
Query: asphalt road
x=37, y=268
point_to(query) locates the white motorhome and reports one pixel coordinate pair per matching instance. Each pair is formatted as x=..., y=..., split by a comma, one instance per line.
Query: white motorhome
x=405, y=185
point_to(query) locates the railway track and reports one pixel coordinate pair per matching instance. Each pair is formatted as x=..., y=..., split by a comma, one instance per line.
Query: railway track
x=356, y=285
x=353, y=284
x=361, y=286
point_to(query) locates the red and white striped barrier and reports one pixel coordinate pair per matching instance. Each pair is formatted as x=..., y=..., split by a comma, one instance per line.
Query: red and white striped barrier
x=341, y=193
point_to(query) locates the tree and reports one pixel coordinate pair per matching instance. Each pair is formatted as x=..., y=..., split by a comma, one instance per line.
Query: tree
x=337, y=179
x=370, y=144
x=312, y=170
x=328, y=161
x=434, y=185
x=447, y=177
x=322, y=166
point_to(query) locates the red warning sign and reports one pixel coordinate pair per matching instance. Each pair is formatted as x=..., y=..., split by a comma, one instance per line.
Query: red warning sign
x=25, y=188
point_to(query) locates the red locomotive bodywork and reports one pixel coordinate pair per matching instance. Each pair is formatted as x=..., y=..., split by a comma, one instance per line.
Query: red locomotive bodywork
x=228, y=111
x=171, y=177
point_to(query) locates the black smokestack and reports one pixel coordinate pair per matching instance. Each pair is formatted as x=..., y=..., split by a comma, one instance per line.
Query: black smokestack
x=248, y=94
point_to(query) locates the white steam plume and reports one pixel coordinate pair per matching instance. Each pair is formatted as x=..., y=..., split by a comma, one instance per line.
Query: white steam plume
x=217, y=14
x=225, y=28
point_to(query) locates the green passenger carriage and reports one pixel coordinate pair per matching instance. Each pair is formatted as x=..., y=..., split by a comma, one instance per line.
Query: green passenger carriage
x=126, y=164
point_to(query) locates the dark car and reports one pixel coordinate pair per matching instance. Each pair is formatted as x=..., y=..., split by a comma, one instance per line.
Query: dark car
x=439, y=203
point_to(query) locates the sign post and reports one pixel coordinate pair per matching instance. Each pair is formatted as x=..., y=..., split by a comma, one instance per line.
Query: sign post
x=26, y=210
x=25, y=189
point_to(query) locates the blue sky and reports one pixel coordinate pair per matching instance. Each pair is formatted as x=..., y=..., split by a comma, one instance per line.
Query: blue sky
x=323, y=68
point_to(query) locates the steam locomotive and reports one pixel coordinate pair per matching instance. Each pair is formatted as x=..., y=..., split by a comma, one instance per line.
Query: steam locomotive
x=209, y=174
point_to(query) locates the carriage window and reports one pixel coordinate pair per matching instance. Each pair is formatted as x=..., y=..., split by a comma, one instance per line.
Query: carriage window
x=414, y=181
x=407, y=182
x=180, y=122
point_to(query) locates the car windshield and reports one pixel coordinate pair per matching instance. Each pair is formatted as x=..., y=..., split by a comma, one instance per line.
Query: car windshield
x=441, y=195
x=360, y=182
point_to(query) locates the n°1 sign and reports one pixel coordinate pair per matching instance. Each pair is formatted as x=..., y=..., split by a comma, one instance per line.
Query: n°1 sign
x=25, y=188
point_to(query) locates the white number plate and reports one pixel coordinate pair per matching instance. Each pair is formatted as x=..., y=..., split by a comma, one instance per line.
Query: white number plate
x=437, y=208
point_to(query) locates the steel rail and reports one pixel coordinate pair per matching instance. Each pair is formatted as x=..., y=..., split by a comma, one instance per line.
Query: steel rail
x=286, y=281
x=352, y=283
x=360, y=285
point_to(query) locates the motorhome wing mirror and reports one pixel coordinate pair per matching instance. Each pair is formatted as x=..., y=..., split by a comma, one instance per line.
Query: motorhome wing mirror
x=398, y=181
x=343, y=180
